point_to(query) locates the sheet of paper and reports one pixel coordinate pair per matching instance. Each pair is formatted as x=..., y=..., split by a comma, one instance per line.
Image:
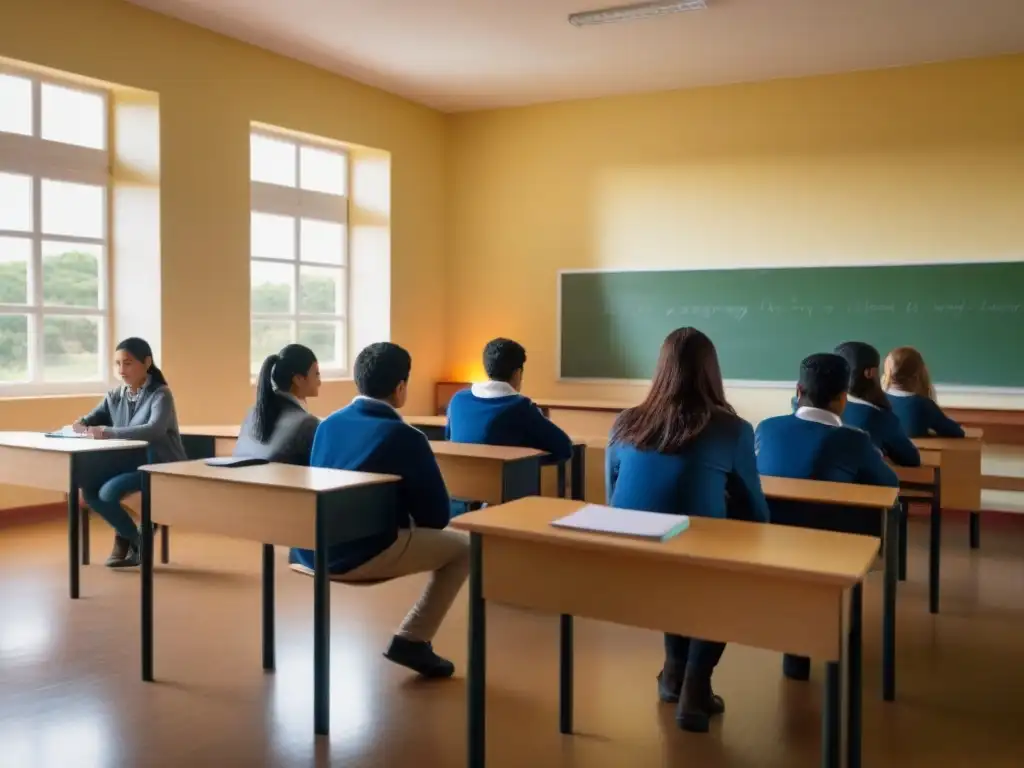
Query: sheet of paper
x=627, y=522
x=64, y=432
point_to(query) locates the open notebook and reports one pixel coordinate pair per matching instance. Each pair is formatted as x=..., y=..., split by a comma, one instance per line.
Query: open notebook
x=65, y=432
x=652, y=526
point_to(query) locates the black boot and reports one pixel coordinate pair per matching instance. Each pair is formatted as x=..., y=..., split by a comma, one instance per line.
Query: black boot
x=670, y=683
x=418, y=656
x=697, y=702
x=120, y=550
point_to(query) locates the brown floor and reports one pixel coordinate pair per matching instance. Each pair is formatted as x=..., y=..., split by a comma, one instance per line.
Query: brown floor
x=71, y=697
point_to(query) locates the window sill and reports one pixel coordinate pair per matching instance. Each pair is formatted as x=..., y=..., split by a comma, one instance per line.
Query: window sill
x=15, y=394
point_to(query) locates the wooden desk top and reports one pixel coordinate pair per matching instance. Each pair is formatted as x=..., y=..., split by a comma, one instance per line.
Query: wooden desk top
x=948, y=443
x=221, y=430
x=821, y=556
x=491, y=452
x=427, y=421
x=974, y=433
x=37, y=441
x=285, y=476
x=846, y=494
x=584, y=405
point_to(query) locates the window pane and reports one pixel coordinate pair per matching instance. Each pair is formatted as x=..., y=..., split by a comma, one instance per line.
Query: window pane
x=322, y=241
x=321, y=290
x=321, y=170
x=72, y=209
x=71, y=116
x=272, y=160
x=15, y=257
x=268, y=336
x=15, y=202
x=16, y=105
x=273, y=237
x=13, y=348
x=71, y=274
x=273, y=287
x=71, y=348
x=327, y=340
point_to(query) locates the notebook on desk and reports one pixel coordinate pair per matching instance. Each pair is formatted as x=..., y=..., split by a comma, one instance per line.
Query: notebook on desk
x=650, y=526
x=65, y=432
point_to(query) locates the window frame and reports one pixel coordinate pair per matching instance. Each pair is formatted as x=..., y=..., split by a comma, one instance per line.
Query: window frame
x=46, y=160
x=298, y=204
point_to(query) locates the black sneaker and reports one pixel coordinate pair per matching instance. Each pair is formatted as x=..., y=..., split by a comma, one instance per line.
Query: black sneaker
x=419, y=657
x=130, y=560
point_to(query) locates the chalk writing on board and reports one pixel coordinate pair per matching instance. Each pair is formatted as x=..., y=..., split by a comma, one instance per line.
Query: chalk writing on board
x=733, y=312
x=800, y=308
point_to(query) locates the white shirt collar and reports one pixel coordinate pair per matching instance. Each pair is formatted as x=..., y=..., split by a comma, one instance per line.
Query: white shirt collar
x=488, y=390
x=292, y=398
x=898, y=392
x=858, y=401
x=818, y=416
x=375, y=400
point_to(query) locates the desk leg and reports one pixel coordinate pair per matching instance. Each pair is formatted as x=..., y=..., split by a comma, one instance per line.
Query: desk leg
x=578, y=478
x=165, y=545
x=855, y=678
x=86, y=546
x=565, y=677
x=561, y=480
x=73, y=530
x=975, y=530
x=147, y=582
x=904, y=515
x=934, y=556
x=476, y=715
x=321, y=631
x=268, y=608
x=830, y=717
x=889, y=603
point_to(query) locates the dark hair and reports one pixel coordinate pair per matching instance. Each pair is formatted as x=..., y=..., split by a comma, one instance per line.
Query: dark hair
x=502, y=358
x=140, y=350
x=861, y=357
x=685, y=394
x=823, y=378
x=380, y=368
x=276, y=376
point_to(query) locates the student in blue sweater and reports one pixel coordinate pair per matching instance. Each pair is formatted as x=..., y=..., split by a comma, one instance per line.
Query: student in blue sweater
x=142, y=408
x=495, y=413
x=869, y=409
x=369, y=435
x=912, y=396
x=814, y=444
x=685, y=451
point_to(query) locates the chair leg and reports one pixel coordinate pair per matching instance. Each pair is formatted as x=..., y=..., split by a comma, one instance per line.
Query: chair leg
x=904, y=513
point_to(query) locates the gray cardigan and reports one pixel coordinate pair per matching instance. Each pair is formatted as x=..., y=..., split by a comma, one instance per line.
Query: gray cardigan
x=154, y=421
x=291, y=440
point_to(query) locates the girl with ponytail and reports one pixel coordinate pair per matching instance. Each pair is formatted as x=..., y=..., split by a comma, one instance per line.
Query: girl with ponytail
x=278, y=427
x=142, y=408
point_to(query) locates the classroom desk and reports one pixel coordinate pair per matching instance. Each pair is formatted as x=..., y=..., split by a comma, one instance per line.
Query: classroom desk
x=281, y=504
x=488, y=473
x=870, y=497
x=63, y=464
x=961, y=475
x=208, y=441
x=787, y=589
x=434, y=428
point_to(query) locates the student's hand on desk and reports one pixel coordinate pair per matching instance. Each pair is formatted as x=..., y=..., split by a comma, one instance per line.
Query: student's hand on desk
x=97, y=433
x=79, y=428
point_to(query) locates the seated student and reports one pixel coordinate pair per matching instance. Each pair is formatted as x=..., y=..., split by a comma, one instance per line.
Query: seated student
x=141, y=409
x=869, y=409
x=278, y=427
x=685, y=451
x=495, y=413
x=814, y=444
x=369, y=435
x=912, y=396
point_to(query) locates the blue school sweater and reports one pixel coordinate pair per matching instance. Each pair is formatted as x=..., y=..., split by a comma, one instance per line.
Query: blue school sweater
x=495, y=414
x=370, y=436
x=714, y=476
x=922, y=417
x=885, y=430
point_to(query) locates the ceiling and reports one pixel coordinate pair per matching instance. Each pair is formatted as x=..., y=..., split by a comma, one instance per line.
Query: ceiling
x=458, y=55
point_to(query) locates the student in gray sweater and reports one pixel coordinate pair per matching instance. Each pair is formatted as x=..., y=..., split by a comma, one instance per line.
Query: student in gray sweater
x=141, y=409
x=279, y=428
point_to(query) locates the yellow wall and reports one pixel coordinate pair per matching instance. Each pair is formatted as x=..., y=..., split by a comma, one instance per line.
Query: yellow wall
x=210, y=88
x=923, y=163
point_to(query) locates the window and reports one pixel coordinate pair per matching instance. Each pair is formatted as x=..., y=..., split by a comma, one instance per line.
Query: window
x=299, y=249
x=54, y=192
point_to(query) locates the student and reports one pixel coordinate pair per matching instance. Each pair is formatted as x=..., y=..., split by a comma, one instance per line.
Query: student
x=912, y=396
x=685, y=451
x=814, y=444
x=279, y=428
x=141, y=409
x=868, y=408
x=495, y=413
x=370, y=436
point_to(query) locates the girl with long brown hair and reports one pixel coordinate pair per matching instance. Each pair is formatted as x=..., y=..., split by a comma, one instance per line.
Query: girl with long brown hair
x=912, y=396
x=684, y=450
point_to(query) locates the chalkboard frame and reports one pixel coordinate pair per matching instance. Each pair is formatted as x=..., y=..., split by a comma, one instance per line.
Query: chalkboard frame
x=941, y=388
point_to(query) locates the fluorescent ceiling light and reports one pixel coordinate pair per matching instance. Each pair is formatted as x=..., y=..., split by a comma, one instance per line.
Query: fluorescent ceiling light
x=634, y=12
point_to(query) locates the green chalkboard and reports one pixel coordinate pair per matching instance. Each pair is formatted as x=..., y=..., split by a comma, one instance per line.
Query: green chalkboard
x=967, y=319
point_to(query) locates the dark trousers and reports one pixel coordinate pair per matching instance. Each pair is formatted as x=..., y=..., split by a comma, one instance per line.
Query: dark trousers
x=701, y=655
